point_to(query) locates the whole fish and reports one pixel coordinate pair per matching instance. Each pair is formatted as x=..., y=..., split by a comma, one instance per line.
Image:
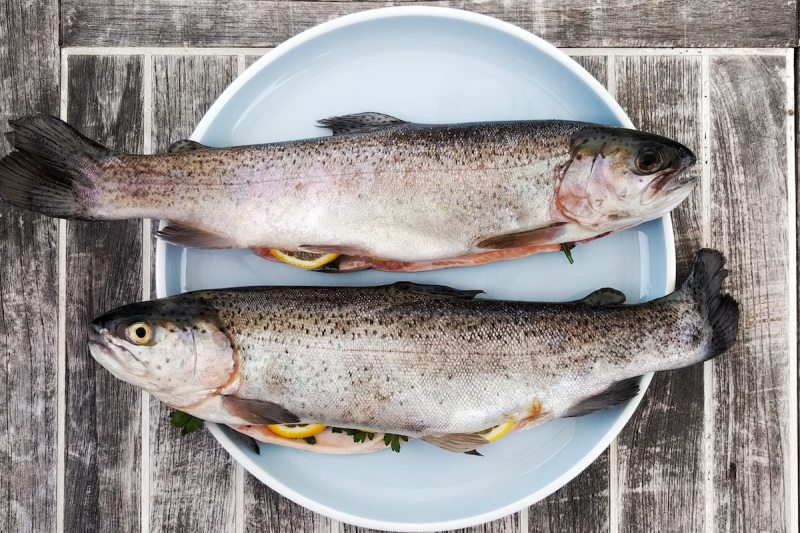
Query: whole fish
x=420, y=361
x=381, y=192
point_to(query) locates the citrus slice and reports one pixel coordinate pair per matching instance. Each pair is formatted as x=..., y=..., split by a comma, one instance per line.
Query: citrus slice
x=492, y=434
x=305, y=260
x=296, y=431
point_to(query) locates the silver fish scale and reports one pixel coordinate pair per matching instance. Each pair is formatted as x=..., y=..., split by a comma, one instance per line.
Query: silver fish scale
x=394, y=360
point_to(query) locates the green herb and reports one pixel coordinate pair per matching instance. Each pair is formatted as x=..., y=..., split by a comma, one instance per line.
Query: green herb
x=390, y=439
x=567, y=247
x=185, y=422
x=310, y=440
x=357, y=434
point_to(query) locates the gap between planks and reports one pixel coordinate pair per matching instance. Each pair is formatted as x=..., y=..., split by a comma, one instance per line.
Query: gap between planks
x=791, y=230
x=705, y=225
x=133, y=50
x=61, y=337
x=147, y=147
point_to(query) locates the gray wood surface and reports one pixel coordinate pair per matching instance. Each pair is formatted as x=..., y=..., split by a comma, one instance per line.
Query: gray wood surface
x=266, y=511
x=29, y=78
x=192, y=477
x=579, y=23
x=663, y=95
x=104, y=270
x=751, y=454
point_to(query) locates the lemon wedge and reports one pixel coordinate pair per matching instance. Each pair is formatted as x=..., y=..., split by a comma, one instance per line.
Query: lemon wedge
x=305, y=260
x=493, y=434
x=296, y=431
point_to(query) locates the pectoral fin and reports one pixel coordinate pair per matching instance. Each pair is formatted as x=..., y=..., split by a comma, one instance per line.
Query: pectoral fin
x=457, y=442
x=531, y=237
x=342, y=249
x=359, y=123
x=194, y=238
x=258, y=412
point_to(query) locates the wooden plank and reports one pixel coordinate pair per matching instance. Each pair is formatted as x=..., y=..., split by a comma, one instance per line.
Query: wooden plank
x=581, y=23
x=751, y=454
x=266, y=511
x=661, y=476
x=581, y=505
x=29, y=78
x=192, y=477
x=104, y=270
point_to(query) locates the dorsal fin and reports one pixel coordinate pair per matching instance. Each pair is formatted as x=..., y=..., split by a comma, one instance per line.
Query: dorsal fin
x=185, y=145
x=359, y=123
x=606, y=296
x=436, y=291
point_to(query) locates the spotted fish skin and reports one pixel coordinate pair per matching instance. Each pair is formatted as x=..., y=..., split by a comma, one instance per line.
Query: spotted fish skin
x=379, y=188
x=413, y=359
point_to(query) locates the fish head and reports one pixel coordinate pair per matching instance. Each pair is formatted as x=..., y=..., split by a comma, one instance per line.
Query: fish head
x=617, y=178
x=175, y=349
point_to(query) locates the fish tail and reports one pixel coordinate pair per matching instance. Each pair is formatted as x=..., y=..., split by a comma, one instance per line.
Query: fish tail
x=51, y=171
x=721, y=310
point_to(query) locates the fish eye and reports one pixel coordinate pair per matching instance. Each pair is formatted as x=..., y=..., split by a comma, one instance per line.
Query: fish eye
x=648, y=160
x=140, y=333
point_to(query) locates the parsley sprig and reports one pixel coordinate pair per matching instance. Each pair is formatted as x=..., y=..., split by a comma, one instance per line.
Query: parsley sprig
x=389, y=439
x=185, y=422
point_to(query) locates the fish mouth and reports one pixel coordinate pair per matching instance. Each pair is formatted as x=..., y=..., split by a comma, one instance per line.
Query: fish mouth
x=107, y=352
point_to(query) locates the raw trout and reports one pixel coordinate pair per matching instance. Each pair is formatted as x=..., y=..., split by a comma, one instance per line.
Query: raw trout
x=415, y=360
x=381, y=192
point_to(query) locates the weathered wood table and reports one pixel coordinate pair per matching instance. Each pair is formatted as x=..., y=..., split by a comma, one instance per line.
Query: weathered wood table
x=712, y=448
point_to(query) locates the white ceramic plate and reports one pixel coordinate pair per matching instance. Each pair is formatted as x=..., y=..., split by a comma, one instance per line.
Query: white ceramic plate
x=427, y=65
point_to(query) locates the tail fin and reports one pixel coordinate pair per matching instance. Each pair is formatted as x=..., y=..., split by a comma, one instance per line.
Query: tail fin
x=721, y=310
x=51, y=166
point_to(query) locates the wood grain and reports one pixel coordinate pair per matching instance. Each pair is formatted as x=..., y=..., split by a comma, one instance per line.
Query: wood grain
x=580, y=23
x=750, y=466
x=28, y=288
x=192, y=477
x=104, y=270
x=581, y=505
x=266, y=511
x=660, y=476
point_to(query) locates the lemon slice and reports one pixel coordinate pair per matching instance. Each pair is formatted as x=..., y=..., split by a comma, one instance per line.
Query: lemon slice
x=305, y=260
x=492, y=434
x=296, y=431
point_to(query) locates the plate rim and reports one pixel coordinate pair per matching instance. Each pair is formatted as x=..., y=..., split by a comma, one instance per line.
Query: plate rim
x=234, y=449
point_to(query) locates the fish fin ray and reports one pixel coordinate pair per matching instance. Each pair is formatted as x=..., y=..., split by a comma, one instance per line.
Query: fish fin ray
x=704, y=285
x=457, y=442
x=615, y=394
x=186, y=145
x=359, y=123
x=258, y=412
x=181, y=235
x=52, y=163
x=531, y=237
x=435, y=291
x=605, y=296
x=332, y=249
